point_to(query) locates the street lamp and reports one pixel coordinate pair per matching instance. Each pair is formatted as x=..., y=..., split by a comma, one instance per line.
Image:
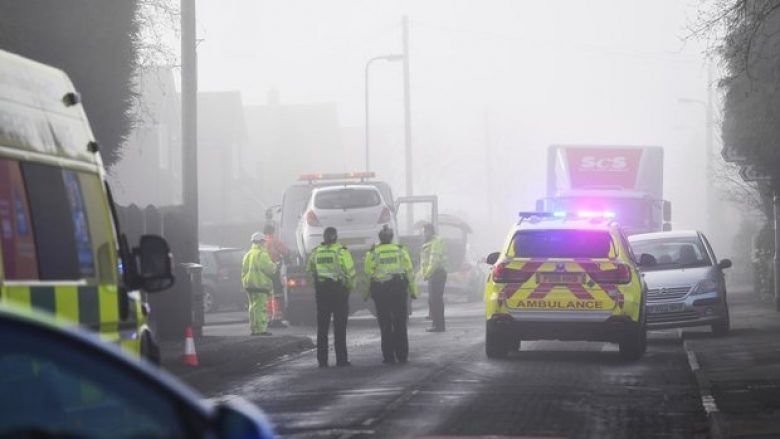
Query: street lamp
x=391, y=58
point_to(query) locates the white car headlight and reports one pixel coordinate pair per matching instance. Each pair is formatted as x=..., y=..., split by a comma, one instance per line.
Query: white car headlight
x=705, y=286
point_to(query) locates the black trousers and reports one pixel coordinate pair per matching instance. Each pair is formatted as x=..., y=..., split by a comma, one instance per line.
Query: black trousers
x=391, y=313
x=436, y=284
x=332, y=302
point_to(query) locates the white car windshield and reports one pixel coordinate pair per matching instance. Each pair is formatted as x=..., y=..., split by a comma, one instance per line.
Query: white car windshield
x=347, y=198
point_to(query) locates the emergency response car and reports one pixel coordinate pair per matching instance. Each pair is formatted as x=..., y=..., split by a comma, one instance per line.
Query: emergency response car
x=565, y=277
x=61, y=249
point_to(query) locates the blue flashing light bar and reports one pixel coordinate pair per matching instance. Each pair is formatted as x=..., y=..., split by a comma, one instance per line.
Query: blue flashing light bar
x=584, y=214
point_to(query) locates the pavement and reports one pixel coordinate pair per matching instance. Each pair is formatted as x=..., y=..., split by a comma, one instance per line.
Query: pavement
x=223, y=358
x=739, y=375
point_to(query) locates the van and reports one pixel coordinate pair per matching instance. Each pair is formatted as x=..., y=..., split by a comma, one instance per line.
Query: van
x=61, y=248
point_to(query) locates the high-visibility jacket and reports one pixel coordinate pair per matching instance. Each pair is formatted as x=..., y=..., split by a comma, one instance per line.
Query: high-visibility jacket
x=387, y=260
x=257, y=268
x=433, y=256
x=276, y=247
x=332, y=261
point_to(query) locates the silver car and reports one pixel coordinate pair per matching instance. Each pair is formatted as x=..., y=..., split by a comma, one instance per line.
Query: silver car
x=686, y=285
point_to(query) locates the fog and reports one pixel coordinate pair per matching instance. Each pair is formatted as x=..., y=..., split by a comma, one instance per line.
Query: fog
x=493, y=83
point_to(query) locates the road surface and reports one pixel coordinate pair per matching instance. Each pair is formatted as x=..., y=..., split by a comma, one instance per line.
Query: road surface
x=449, y=387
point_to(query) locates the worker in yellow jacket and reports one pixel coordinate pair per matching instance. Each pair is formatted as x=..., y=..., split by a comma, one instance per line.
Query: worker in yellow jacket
x=257, y=271
x=433, y=268
x=390, y=269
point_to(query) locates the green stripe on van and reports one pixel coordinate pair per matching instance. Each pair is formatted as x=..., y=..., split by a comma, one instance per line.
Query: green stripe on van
x=89, y=306
x=43, y=298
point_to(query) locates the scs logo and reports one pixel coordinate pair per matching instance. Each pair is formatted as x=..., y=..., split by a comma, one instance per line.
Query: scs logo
x=591, y=163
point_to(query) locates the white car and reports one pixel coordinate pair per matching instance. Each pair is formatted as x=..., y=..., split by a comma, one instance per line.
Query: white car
x=358, y=212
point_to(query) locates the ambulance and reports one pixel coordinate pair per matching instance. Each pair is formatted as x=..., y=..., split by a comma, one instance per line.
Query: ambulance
x=62, y=251
x=565, y=276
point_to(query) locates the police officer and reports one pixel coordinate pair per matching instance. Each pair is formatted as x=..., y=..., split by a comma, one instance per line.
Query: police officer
x=333, y=271
x=390, y=269
x=433, y=268
x=257, y=269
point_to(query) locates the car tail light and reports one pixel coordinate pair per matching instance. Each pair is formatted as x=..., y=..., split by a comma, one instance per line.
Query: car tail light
x=385, y=216
x=620, y=275
x=502, y=274
x=311, y=219
x=296, y=282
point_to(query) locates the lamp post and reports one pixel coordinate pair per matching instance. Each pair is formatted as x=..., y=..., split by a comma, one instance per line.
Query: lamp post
x=391, y=58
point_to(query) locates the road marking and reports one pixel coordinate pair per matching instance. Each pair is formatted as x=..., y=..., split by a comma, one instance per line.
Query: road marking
x=692, y=361
x=709, y=404
x=707, y=400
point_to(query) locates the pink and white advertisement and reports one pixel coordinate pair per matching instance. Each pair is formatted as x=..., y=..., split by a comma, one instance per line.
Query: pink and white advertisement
x=603, y=168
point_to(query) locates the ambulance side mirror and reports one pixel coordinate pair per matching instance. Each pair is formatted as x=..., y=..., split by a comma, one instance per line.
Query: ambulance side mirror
x=153, y=259
x=492, y=258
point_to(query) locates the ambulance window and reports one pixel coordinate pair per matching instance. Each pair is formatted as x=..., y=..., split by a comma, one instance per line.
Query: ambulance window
x=100, y=227
x=18, y=243
x=561, y=244
x=59, y=221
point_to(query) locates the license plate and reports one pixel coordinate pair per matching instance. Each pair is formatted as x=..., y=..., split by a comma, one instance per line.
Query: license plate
x=559, y=278
x=665, y=308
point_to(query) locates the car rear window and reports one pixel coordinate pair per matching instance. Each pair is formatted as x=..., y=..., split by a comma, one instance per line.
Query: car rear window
x=347, y=198
x=673, y=253
x=561, y=244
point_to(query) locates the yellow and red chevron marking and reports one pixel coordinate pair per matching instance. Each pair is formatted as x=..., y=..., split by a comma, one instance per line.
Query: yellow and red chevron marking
x=579, y=291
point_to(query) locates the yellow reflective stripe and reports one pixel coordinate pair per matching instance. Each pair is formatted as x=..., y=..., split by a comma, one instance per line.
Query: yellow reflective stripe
x=131, y=345
x=66, y=301
x=19, y=295
x=108, y=300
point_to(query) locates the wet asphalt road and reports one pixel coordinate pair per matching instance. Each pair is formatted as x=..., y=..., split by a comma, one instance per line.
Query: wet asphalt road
x=449, y=387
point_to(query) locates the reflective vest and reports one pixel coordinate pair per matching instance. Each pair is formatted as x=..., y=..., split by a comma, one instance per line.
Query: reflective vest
x=257, y=269
x=433, y=256
x=386, y=260
x=334, y=262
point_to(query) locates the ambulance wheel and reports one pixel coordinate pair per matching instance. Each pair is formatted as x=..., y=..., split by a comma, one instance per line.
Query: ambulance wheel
x=149, y=348
x=634, y=343
x=496, y=345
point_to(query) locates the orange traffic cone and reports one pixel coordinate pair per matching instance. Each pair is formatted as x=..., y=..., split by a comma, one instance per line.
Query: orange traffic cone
x=190, y=356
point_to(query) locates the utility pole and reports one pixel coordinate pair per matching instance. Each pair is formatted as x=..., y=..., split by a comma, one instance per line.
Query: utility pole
x=708, y=142
x=407, y=111
x=776, y=271
x=189, y=130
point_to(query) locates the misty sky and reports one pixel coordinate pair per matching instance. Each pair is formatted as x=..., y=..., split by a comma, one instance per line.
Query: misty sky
x=493, y=83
